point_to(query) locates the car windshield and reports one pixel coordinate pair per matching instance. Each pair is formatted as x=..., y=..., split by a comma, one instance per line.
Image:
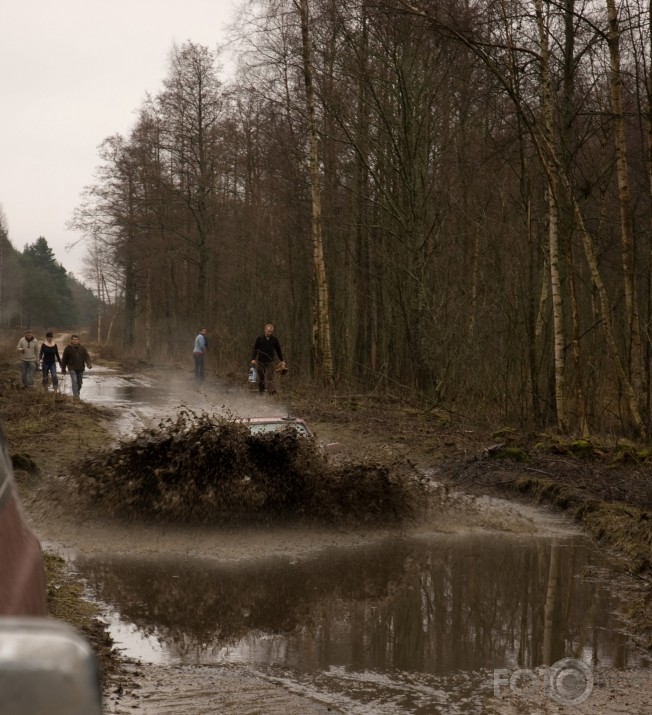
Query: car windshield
x=262, y=427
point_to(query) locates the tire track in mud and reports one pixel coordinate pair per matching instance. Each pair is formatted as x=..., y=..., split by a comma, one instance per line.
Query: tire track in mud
x=170, y=690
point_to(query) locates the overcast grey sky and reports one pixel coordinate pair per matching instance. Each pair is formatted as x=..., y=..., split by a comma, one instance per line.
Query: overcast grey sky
x=73, y=72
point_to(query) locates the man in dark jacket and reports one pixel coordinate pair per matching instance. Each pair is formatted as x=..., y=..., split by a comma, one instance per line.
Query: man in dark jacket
x=263, y=357
x=75, y=358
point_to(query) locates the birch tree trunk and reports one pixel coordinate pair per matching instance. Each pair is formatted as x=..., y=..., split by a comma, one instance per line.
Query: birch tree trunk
x=105, y=300
x=555, y=172
x=553, y=227
x=148, y=314
x=100, y=303
x=321, y=319
x=605, y=310
x=626, y=228
x=568, y=147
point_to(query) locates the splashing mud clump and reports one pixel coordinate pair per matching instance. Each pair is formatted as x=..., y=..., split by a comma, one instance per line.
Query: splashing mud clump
x=201, y=468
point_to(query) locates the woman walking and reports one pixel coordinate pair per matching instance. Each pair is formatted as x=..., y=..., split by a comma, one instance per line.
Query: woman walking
x=49, y=357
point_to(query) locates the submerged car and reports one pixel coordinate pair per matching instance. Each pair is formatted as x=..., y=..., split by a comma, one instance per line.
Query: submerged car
x=264, y=425
x=269, y=425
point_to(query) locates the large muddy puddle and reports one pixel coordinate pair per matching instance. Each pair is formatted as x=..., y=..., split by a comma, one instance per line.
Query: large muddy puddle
x=413, y=623
x=409, y=625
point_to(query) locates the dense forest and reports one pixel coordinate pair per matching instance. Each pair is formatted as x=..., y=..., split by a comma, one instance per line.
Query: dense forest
x=450, y=200
x=37, y=292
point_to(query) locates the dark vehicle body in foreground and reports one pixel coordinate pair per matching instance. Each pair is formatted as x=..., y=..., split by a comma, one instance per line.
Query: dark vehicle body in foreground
x=22, y=575
x=46, y=667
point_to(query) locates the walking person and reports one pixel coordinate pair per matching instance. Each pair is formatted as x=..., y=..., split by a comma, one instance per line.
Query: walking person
x=49, y=357
x=75, y=359
x=28, y=349
x=199, y=353
x=263, y=358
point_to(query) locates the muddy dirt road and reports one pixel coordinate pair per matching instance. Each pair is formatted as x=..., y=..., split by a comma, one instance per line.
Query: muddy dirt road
x=433, y=617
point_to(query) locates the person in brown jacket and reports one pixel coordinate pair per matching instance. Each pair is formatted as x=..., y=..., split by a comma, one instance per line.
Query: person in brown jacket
x=75, y=359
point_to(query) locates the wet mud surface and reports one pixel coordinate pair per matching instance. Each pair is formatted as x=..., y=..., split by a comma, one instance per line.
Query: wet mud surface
x=410, y=618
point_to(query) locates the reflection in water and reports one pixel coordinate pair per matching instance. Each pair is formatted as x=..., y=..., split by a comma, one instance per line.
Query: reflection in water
x=457, y=603
x=105, y=387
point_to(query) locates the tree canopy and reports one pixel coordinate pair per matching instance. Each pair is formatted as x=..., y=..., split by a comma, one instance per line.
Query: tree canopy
x=37, y=292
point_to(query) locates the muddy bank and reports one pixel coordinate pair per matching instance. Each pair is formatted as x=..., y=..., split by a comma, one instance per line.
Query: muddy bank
x=205, y=691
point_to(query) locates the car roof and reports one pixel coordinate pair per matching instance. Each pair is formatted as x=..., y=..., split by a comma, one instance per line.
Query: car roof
x=275, y=424
x=267, y=420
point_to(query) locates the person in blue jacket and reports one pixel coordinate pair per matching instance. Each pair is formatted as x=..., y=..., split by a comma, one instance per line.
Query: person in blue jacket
x=199, y=353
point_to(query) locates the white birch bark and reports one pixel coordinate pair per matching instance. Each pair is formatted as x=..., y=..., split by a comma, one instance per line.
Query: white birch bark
x=622, y=172
x=321, y=327
x=553, y=227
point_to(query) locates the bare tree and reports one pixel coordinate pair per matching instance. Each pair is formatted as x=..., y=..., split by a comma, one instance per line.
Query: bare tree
x=321, y=320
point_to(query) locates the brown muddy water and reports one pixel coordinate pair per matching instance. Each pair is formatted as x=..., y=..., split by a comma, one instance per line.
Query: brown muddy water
x=409, y=625
x=417, y=622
